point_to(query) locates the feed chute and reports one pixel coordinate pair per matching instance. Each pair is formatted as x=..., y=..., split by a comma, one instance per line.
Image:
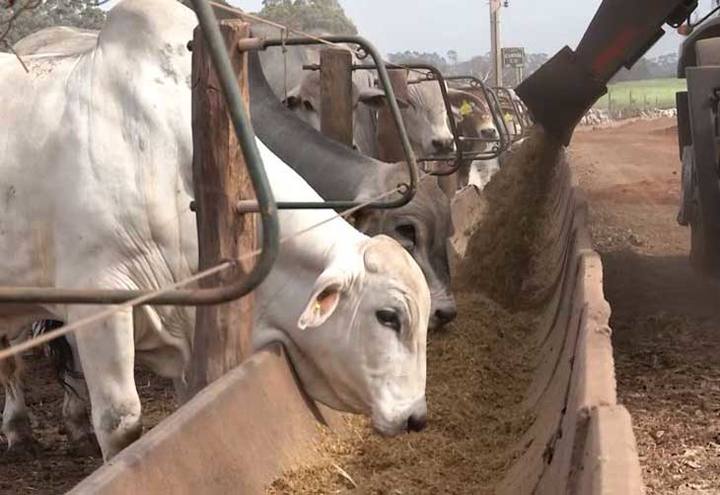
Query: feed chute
x=570, y=83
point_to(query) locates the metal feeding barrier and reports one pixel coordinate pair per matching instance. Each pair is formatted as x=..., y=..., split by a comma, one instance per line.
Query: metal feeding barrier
x=407, y=190
x=268, y=211
x=431, y=73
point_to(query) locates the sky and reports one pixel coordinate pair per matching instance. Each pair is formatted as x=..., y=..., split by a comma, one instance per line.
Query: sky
x=463, y=25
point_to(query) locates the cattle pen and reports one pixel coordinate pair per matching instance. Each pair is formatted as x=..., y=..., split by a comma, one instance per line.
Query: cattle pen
x=521, y=387
x=565, y=429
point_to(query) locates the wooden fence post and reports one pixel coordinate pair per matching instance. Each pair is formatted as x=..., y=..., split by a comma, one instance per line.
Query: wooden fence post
x=389, y=146
x=336, y=117
x=222, y=338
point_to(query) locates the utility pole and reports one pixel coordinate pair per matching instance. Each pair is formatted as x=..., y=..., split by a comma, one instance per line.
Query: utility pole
x=496, y=46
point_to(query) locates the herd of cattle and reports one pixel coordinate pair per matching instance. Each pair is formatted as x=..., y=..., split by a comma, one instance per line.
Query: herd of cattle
x=96, y=183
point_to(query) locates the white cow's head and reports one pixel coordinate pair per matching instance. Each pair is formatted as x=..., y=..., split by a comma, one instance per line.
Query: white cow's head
x=426, y=120
x=305, y=100
x=361, y=339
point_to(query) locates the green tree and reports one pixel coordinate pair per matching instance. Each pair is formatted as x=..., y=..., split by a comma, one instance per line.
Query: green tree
x=19, y=18
x=306, y=15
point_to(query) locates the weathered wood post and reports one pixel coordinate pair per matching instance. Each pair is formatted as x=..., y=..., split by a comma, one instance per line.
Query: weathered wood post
x=389, y=147
x=336, y=116
x=222, y=333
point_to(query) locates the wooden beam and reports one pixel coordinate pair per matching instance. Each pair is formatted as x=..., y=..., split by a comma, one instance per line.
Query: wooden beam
x=336, y=116
x=222, y=338
x=389, y=146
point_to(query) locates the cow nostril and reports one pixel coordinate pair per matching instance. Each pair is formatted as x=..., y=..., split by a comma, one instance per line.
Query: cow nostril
x=446, y=315
x=489, y=133
x=416, y=423
x=443, y=144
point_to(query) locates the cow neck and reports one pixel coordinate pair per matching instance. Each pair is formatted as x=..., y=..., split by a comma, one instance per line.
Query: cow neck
x=335, y=171
x=315, y=246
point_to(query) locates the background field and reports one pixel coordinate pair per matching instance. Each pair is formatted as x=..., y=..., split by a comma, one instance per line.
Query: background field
x=651, y=93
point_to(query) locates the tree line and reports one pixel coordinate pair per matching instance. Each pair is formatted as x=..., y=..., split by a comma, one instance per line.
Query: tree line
x=19, y=18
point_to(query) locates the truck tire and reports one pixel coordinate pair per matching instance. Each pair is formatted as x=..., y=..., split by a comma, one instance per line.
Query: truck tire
x=703, y=236
x=707, y=52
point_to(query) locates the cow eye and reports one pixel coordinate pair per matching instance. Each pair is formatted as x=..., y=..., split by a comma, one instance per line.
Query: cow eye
x=308, y=106
x=389, y=318
x=408, y=236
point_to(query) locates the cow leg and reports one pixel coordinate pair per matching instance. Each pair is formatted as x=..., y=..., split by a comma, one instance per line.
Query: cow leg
x=16, y=420
x=107, y=355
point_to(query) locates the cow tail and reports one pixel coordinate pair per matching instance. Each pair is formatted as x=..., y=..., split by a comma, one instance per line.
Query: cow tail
x=11, y=367
x=60, y=353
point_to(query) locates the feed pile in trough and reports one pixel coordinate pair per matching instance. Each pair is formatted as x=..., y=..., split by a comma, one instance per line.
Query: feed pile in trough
x=502, y=248
x=479, y=370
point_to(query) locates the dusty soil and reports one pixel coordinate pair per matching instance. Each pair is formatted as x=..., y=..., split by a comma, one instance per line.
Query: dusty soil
x=666, y=319
x=56, y=468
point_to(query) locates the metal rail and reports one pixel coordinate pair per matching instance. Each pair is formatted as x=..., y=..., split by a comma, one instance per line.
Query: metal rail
x=268, y=211
x=407, y=191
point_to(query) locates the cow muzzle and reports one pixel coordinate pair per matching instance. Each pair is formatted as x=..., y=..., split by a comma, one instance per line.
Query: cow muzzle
x=414, y=421
x=442, y=313
x=443, y=145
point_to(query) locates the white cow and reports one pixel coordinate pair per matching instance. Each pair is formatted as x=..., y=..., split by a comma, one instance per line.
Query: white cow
x=96, y=182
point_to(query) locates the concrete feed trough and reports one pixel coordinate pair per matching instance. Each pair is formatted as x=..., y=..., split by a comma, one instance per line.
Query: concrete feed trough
x=582, y=440
x=246, y=429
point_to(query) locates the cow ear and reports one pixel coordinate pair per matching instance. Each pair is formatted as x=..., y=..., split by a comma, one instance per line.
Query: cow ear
x=323, y=302
x=375, y=98
x=372, y=97
x=364, y=220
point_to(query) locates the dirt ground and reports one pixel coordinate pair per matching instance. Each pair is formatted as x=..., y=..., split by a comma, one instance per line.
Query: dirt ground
x=666, y=319
x=56, y=468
